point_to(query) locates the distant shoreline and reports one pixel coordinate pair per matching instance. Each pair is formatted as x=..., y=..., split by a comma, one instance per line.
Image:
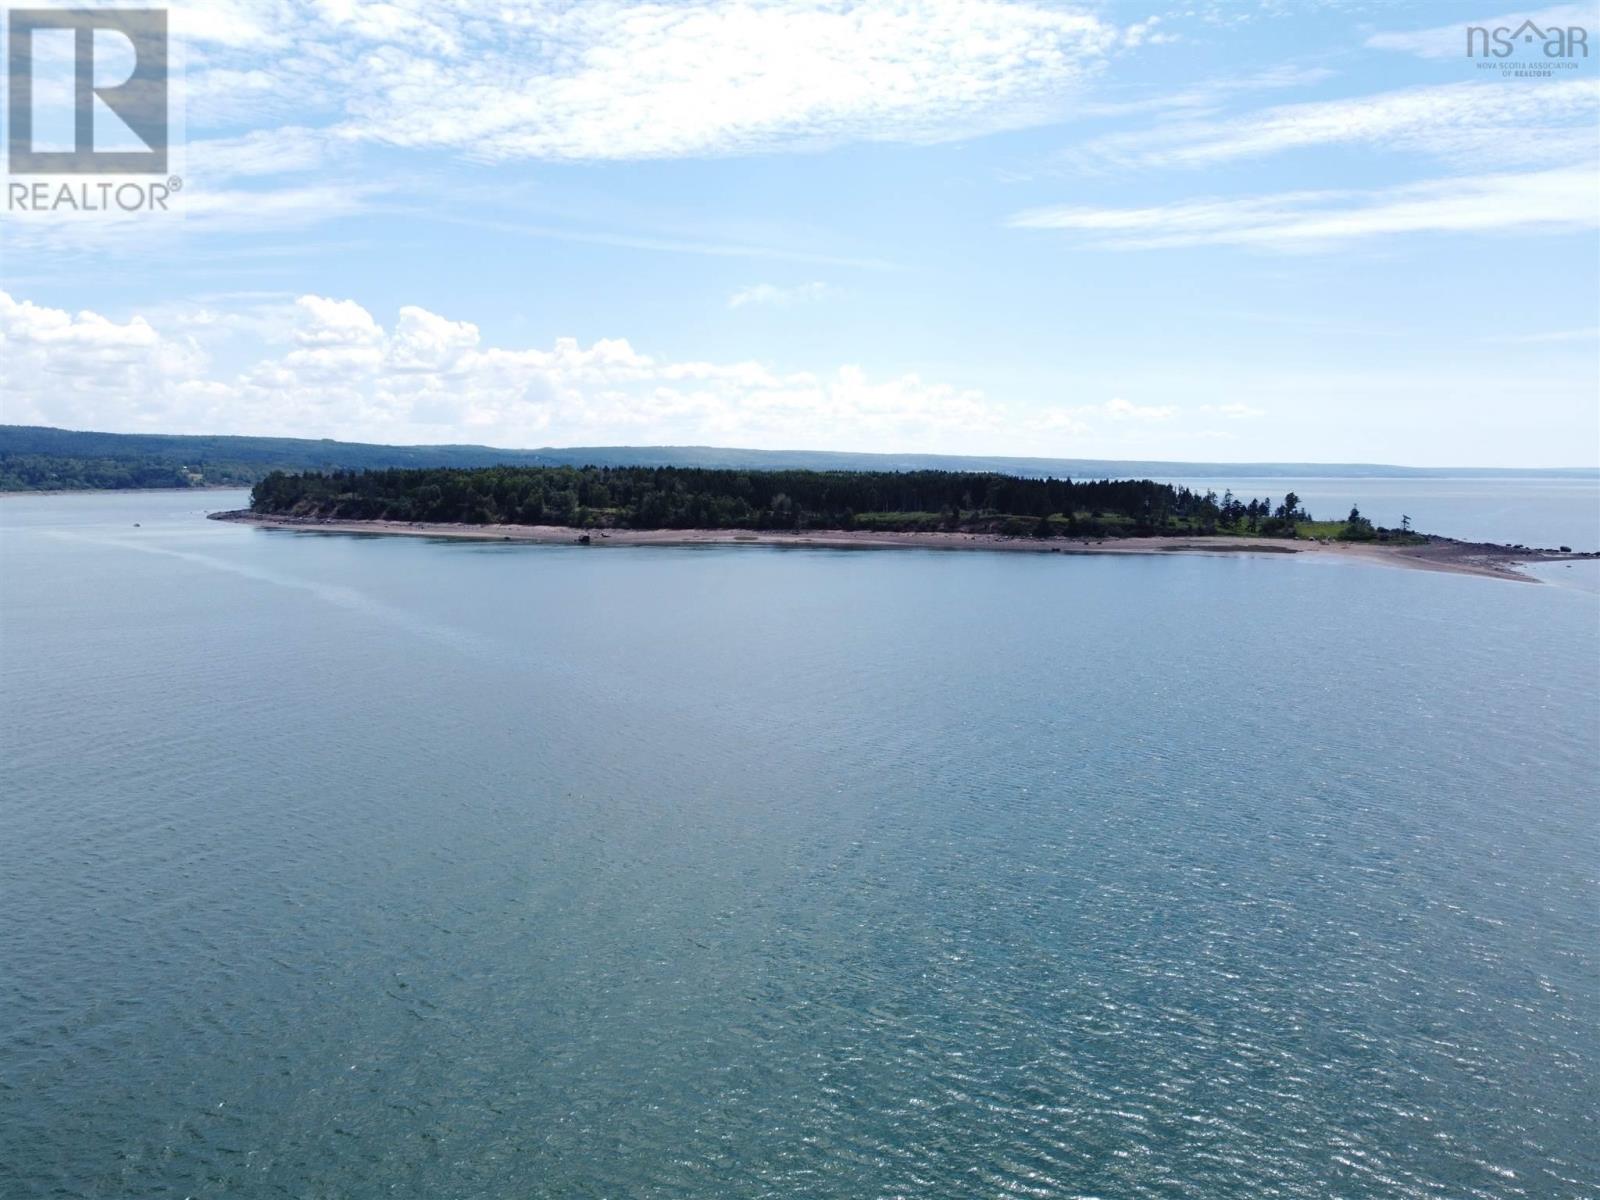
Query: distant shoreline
x=1437, y=554
x=14, y=493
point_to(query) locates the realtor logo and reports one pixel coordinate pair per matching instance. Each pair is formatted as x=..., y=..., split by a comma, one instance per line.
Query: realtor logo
x=1503, y=41
x=138, y=100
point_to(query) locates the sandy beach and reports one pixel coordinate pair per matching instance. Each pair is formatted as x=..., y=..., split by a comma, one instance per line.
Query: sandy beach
x=1438, y=554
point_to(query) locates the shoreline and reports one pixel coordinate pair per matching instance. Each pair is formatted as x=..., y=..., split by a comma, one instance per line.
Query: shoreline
x=1438, y=554
x=16, y=493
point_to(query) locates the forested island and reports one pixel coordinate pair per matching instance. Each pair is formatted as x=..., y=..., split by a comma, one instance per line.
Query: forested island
x=665, y=498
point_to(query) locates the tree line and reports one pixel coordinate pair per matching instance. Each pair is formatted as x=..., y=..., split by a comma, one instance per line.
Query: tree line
x=42, y=472
x=702, y=498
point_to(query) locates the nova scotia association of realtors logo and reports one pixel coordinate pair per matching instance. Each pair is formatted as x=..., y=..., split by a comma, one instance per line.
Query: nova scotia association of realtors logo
x=88, y=111
x=1528, y=51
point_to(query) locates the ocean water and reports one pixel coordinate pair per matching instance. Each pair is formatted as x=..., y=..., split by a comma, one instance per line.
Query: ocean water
x=354, y=867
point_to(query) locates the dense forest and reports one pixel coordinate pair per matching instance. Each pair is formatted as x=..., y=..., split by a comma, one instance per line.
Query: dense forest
x=694, y=498
x=52, y=473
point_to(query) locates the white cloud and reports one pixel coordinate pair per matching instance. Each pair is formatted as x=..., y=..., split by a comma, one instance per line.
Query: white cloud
x=1208, y=94
x=231, y=23
x=85, y=367
x=620, y=79
x=89, y=337
x=291, y=149
x=338, y=372
x=320, y=366
x=1146, y=33
x=1083, y=418
x=1233, y=412
x=1487, y=124
x=1556, y=201
x=200, y=210
x=425, y=341
x=336, y=323
x=1450, y=41
x=776, y=295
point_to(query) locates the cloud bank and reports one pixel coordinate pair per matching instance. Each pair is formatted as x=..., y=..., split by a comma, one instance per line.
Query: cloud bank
x=334, y=371
x=615, y=80
x=1557, y=201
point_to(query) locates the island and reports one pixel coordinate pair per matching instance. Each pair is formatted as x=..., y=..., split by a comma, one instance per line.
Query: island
x=932, y=509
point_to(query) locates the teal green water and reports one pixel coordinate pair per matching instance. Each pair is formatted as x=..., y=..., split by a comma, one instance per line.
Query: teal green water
x=360, y=867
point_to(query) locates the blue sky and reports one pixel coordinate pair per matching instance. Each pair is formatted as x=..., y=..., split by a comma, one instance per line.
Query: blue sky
x=1242, y=231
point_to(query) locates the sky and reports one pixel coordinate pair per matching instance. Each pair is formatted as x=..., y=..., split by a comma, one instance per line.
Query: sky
x=1214, y=230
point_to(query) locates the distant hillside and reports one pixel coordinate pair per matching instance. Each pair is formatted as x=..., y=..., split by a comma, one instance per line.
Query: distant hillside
x=38, y=458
